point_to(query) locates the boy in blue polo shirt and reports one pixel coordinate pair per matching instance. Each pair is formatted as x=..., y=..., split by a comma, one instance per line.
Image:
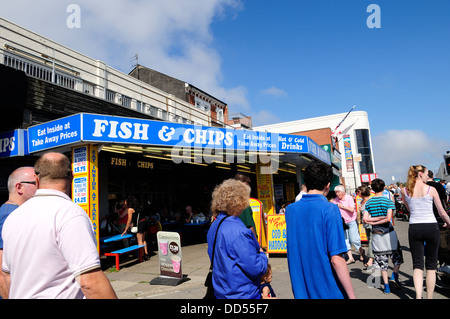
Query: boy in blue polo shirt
x=316, y=241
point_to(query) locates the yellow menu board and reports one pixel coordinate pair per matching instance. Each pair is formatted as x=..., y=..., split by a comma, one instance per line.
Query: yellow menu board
x=257, y=209
x=276, y=234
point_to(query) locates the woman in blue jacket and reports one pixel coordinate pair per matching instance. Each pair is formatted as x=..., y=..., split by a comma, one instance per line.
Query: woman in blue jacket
x=239, y=261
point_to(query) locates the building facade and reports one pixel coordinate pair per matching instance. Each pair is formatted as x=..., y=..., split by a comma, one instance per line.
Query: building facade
x=351, y=140
x=54, y=96
x=43, y=59
x=186, y=92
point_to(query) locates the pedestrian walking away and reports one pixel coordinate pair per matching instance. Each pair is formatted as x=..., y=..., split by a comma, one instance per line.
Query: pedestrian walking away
x=50, y=249
x=423, y=233
x=365, y=194
x=239, y=262
x=316, y=242
x=385, y=244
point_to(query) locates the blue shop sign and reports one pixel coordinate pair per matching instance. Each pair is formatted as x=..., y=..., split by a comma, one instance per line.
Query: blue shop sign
x=13, y=143
x=97, y=128
x=64, y=131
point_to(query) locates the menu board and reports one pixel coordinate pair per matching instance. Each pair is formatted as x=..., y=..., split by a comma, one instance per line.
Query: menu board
x=169, y=251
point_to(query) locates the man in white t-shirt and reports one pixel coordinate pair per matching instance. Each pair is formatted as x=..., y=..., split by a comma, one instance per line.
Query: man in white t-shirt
x=302, y=191
x=49, y=245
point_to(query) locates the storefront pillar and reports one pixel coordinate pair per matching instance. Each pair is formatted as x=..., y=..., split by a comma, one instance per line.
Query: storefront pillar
x=264, y=181
x=85, y=183
x=266, y=193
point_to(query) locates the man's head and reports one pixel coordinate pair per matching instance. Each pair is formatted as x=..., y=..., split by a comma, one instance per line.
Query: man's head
x=364, y=191
x=53, y=170
x=378, y=185
x=340, y=191
x=318, y=176
x=243, y=178
x=21, y=185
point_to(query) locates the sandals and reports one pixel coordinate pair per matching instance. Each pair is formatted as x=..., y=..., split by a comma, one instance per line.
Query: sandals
x=362, y=254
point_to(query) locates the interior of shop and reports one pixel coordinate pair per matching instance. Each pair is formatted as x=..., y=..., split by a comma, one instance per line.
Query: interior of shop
x=165, y=187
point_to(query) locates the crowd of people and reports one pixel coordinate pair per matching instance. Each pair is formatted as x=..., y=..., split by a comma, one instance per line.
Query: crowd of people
x=324, y=223
x=41, y=225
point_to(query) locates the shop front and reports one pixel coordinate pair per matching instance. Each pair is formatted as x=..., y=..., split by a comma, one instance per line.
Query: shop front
x=167, y=166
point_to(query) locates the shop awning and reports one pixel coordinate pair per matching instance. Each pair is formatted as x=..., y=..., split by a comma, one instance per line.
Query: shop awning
x=13, y=143
x=104, y=129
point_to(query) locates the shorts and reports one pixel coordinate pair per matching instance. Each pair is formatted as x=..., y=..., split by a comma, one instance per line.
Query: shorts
x=143, y=225
x=383, y=260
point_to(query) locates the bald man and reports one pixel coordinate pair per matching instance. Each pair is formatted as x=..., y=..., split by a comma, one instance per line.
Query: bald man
x=50, y=249
x=21, y=187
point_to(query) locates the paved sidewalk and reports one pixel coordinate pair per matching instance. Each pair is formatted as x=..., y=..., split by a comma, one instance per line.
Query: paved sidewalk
x=132, y=281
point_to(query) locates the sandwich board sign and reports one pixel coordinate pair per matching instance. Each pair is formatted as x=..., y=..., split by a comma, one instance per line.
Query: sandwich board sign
x=170, y=259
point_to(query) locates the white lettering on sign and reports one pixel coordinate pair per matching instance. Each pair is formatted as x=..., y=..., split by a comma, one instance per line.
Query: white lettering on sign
x=7, y=144
x=125, y=130
x=210, y=137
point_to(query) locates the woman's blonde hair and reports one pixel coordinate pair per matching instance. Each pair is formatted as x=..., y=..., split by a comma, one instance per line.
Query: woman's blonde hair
x=413, y=173
x=230, y=197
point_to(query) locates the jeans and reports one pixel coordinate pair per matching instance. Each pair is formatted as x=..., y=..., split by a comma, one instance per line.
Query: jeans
x=352, y=236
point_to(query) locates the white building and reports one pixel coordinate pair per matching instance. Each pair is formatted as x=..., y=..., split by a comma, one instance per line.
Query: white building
x=357, y=155
x=50, y=61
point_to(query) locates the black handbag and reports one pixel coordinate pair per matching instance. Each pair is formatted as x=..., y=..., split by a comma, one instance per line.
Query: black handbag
x=344, y=224
x=208, y=281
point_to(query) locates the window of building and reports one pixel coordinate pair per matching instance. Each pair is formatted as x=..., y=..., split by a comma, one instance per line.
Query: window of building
x=363, y=146
x=220, y=115
x=152, y=110
x=139, y=106
x=126, y=101
x=110, y=96
x=88, y=88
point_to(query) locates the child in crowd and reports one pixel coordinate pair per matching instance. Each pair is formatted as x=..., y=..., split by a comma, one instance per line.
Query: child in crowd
x=385, y=244
x=266, y=289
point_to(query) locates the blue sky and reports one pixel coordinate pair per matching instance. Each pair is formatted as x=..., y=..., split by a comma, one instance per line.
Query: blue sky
x=283, y=60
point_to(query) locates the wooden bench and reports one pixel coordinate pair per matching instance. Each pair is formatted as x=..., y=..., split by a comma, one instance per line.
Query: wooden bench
x=119, y=252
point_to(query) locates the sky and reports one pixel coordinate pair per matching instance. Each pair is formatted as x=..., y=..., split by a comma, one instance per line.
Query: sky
x=282, y=60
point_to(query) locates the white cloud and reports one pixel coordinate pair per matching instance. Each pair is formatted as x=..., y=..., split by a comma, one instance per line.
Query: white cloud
x=396, y=150
x=171, y=36
x=264, y=117
x=276, y=92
